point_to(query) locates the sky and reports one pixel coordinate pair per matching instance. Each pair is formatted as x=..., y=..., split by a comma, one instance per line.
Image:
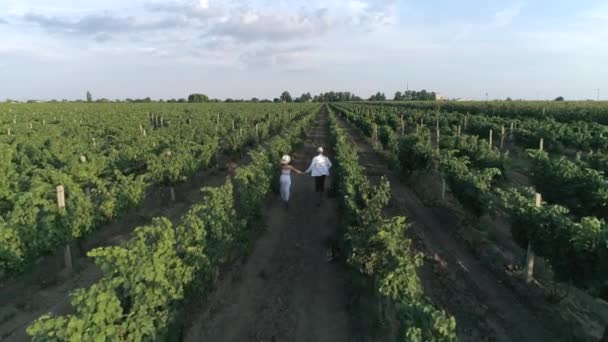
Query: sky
x=530, y=49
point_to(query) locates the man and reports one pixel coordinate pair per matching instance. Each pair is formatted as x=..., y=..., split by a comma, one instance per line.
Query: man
x=320, y=170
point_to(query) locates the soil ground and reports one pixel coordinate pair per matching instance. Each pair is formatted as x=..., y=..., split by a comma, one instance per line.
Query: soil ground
x=485, y=309
x=286, y=290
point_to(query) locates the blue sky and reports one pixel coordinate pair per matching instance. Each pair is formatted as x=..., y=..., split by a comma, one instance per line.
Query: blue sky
x=241, y=49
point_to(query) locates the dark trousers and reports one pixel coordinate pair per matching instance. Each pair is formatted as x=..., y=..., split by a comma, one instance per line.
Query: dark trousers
x=319, y=183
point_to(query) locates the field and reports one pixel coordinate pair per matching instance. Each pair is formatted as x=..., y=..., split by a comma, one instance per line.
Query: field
x=444, y=221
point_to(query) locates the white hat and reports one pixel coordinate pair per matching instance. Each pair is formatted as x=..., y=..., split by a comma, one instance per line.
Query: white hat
x=320, y=150
x=285, y=159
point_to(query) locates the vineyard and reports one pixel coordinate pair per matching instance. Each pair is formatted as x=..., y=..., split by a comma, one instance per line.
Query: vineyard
x=444, y=221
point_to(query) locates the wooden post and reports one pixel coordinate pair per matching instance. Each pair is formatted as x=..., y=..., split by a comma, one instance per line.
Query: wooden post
x=402, y=125
x=512, y=127
x=542, y=144
x=375, y=133
x=530, y=254
x=502, y=137
x=14, y=120
x=233, y=124
x=257, y=133
x=459, y=130
x=8, y=131
x=83, y=159
x=490, y=139
x=67, y=255
x=44, y=121
x=438, y=134
x=172, y=192
x=443, y=187
x=31, y=125
x=143, y=132
x=161, y=122
x=60, y=197
x=466, y=119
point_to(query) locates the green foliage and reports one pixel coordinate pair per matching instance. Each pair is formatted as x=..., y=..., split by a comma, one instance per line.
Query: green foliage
x=581, y=189
x=478, y=151
x=378, y=249
x=106, y=164
x=575, y=249
x=198, y=98
x=145, y=278
x=471, y=186
x=286, y=97
x=416, y=153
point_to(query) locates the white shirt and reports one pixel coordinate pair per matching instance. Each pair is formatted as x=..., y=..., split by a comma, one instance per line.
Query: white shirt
x=320, y=166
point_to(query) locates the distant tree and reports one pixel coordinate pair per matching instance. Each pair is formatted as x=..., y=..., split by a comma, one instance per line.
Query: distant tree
x=306, y=97
x=228, y=100
x=276, y=100
x=265, y=101
x=398, y=96
x=182, y=101
x=198, y=98
x=559, y=98
x=286, y=97
x=509, y=99
x=255, y=100
x=89, y=96
x=378, y=97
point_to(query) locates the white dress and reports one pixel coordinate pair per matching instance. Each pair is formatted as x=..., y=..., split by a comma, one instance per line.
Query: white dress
x=285, y=184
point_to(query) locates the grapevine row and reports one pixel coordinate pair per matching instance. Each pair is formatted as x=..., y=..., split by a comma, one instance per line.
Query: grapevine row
x=575, y=248
x=379, y=252
x=106, y=164
x=145, y=279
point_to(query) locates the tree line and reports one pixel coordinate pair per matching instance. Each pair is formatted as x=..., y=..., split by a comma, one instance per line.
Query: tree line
x=331, y=96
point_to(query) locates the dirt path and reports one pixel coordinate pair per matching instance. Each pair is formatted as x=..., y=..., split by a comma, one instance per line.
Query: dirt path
x=485, y=309
x=286, y=290
x=47, y=286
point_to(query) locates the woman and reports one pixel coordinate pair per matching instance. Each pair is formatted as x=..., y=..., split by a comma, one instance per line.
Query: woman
x=286, y=178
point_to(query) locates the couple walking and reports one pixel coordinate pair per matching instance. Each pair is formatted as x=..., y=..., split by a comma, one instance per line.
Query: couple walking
x=319, y=170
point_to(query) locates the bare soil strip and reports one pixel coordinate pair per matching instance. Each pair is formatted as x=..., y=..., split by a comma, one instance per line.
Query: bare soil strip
x=286, y=290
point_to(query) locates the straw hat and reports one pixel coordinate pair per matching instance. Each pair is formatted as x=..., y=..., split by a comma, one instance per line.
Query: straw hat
x=320, y=150
x=285, y=159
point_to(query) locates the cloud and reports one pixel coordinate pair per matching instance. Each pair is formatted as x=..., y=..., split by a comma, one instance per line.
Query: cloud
x=2, y=21
x=190, y=9
x=97, y=24
x=261, y=26
x=506, y=16
x=267, y=56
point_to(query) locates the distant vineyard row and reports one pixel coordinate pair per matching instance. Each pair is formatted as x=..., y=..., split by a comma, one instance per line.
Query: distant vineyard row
x=106, y=157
